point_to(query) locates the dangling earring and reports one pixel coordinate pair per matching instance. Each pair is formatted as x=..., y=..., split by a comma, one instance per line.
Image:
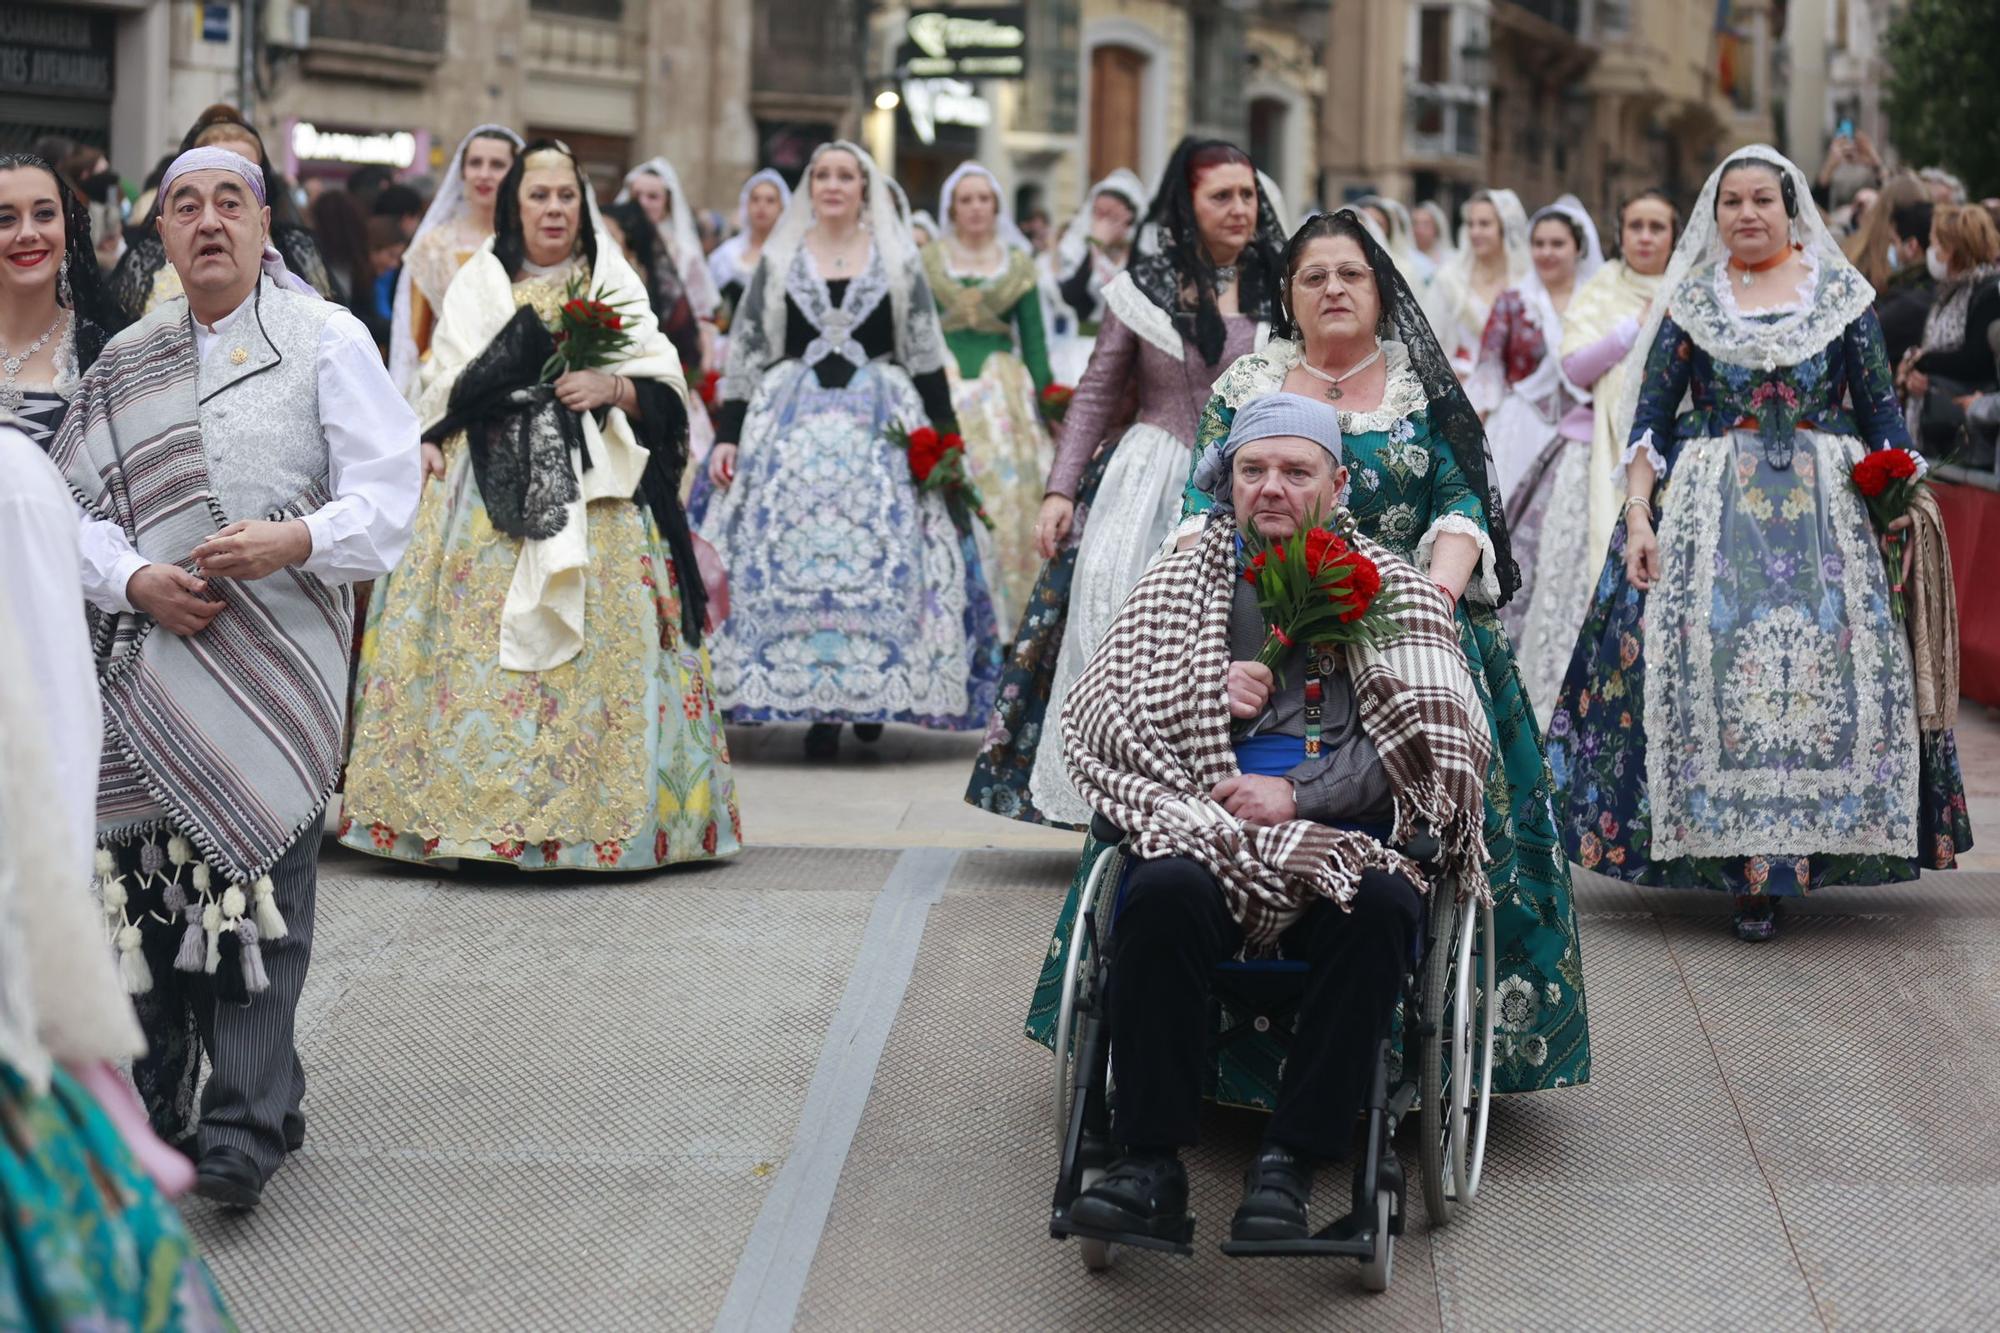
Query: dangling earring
x=62, y=283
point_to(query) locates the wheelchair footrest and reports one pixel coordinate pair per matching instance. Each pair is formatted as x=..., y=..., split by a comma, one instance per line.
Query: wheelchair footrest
x=1349, y=1238
x=1061, y=1228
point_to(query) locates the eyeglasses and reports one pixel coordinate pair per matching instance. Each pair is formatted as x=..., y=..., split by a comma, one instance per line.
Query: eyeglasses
x=1348, y=275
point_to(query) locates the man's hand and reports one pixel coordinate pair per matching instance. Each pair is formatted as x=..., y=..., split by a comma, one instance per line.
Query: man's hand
x=253, y=548
x=174, y=597
x=1257, y=800
x=1249, y=687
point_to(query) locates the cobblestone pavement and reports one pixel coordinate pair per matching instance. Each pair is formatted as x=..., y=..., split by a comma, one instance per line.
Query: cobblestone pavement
x=792, y=1090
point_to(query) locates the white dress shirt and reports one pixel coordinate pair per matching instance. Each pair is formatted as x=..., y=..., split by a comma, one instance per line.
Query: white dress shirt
x=375, y=470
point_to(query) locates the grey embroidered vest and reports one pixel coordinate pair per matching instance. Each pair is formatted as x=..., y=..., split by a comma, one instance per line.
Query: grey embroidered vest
x=259, y=387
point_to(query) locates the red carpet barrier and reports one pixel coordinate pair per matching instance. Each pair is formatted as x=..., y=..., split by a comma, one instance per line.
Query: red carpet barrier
x=1972, y=524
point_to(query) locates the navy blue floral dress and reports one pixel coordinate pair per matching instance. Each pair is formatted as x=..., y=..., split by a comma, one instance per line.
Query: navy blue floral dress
x=1786, y=753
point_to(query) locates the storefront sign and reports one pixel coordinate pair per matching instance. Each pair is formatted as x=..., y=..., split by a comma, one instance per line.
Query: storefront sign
x=390, y=149
x=55, y=52
x=935, y=102
x=215, y=23
x=989, y=42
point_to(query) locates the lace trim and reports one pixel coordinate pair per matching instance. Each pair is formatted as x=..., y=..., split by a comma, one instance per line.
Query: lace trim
x=1485, y=584
x=1263, y=372
x=835, y=324
x=1705, y=308
x=1804, y=293
x=1138, y=313
x=1644, y=444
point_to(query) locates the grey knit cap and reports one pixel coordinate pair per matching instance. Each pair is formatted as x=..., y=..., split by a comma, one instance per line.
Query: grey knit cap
x=1275, y=414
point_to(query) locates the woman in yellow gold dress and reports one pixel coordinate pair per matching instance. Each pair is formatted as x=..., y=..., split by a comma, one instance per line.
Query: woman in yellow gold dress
x=533, y=687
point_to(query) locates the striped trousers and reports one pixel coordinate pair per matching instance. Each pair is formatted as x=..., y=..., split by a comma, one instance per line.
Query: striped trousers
x=255, y=1080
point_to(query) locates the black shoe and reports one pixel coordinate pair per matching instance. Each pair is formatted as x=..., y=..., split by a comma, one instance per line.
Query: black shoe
x=823, y=740
x=1144, y=1196
x=295, y=1131
x=1276, y=1189
x=228, y=1177
x=867, y=732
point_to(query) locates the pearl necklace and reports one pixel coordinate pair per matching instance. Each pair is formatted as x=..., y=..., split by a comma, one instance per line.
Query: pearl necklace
x=1333, y=382
x=11, y=393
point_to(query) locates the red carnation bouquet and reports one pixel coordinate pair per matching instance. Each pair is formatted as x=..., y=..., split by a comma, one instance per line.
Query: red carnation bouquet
x=710, y=391
x=1314, y=588
x=1888, y=481
x=1055, y=403
x=937, y=463
x=590, y=333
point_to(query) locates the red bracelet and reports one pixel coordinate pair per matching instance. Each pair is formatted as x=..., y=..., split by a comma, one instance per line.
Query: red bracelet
x=1445, y=588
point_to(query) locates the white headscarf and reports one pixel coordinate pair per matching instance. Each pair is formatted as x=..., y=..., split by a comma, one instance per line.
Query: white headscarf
x=1590, y=258
x=447, y=206
x=1441, y=252
x=1075, y=240
x=725, y=262
x=1451, y=303
x=765, y=176
x=679, y=235
x=1004, y=227
x=1414, y=264
x=1704, y=306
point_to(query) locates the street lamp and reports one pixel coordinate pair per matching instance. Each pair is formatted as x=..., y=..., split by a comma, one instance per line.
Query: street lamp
x=887, y=100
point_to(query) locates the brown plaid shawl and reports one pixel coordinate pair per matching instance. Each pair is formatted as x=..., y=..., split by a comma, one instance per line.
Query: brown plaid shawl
x=1146, y=738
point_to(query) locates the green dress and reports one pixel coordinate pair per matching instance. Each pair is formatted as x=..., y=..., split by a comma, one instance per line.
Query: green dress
x=88, y=1240
x=1406, y=491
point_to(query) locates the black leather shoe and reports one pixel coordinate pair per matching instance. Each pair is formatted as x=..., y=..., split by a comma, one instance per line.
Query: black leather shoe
x=823, y=740
x=229, y=1177
x=295, y=1131
x=867, y=732
x=1276, y=1189
x=1145, y=1196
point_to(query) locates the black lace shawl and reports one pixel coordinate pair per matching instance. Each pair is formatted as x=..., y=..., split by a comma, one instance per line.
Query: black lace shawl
x=1451, y=414
x=1169, y=264
x=520, y=437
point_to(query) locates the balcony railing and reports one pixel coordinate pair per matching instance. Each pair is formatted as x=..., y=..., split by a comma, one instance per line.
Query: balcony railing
x=1442, y=125
x=1565, y=14
x=415, y=26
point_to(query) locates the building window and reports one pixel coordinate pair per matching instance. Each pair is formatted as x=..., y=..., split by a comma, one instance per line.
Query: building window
x=1117, y=81
x=1267, y=135
x=611, y=11
x=1434, y=45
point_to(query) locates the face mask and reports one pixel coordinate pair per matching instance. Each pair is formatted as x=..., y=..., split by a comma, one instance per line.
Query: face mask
x=1895, y=259
x=1935, y=263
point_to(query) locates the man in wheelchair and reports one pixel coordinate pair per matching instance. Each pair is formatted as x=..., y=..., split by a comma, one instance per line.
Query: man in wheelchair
x=1247, y=842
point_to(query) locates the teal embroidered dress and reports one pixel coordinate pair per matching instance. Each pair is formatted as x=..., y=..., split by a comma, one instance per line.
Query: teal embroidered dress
x=1406, y=491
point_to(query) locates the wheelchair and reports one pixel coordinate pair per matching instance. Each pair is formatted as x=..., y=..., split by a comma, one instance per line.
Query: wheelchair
x=1445, y=1074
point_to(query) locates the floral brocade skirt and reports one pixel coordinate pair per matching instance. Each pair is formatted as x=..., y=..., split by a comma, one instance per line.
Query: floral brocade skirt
x=1007, y=448
x=1796, y=761
x=1542, y=1038
x=853, y=596
x=90, y=1243
x=614, y=760
x=1000, y=775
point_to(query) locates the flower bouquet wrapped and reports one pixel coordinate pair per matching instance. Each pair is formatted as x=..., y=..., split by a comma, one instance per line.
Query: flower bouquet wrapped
x=1315, y=589
x=937, y=463
x=589, y=333
x=1888, y=482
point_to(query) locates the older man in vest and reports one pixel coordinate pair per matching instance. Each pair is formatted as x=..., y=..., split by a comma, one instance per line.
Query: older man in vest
x=242, y=458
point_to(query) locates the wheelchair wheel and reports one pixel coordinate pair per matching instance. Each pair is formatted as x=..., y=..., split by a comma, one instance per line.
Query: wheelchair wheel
x=1381, y=1266
x=1078, y=986
x=1441, y=1120
x=1473, y=1043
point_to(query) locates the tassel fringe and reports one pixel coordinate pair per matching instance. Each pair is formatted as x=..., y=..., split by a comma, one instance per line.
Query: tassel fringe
x=132, y=962
x=189, y=959
x=270, y=922
x=255, y=979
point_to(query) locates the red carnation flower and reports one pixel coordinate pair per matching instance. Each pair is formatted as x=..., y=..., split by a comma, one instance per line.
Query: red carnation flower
x=1898, y=463
x=1322, y=549
x=1871, y=476
x=923, y=437
x=615, y=322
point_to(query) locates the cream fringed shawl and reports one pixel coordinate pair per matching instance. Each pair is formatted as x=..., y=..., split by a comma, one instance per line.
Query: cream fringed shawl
x=1613, y=294
x=541, y=623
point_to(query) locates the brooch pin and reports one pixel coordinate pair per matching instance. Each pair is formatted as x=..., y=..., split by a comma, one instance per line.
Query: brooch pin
x=238, y=355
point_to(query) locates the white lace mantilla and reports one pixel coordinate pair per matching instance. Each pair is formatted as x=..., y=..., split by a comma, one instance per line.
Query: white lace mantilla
x=1140, y=315
x=834, y=325
x=1705, y=308
x=1263, y=372
x=1781, y=721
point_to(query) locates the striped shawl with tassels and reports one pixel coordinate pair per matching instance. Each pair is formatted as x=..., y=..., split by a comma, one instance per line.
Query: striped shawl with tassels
x=232, y=736
x=1146, y=738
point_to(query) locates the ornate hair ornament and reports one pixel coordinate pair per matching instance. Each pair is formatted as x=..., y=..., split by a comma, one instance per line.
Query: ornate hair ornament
x=549, y=157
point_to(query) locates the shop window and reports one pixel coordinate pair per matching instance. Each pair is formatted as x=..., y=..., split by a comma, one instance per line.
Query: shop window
x=1117, y=81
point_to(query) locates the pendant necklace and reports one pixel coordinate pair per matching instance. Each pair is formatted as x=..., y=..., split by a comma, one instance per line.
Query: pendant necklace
x=1333, y=382
x=11, y=394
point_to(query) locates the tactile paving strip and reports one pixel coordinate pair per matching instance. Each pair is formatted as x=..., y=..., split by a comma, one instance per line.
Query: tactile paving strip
x=548, y=1106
